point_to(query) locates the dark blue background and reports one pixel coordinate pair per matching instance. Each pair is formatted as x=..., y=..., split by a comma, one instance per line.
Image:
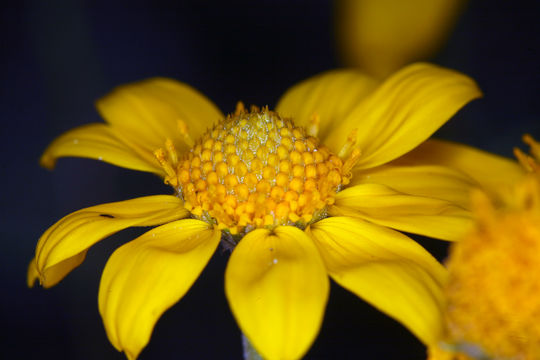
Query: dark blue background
x=58, y=57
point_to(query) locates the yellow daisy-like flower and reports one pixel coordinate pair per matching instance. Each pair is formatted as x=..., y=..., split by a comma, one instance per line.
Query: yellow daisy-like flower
x=492, y=294
x=301, y=193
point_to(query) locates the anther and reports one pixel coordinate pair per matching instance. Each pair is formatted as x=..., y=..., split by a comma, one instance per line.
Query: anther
x=173, y=155
x=350, y=162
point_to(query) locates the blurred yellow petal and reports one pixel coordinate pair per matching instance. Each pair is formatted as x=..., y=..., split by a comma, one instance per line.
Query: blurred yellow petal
x=381, y=36
x=64, y=245
x=432, y=216
x=277, y=288
x=147, y=112
x=385, y=268
x=99, y=142
x=148, y=275
x=494, y=173
x=403, y=112
x=331, y=96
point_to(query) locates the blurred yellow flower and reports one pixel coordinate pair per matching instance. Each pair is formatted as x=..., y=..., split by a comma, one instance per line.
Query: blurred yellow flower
x=492, y=296
x=311, y=190
x=381, y=36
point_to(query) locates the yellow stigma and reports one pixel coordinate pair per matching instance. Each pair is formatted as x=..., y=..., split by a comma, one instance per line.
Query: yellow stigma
x=256, y=169
x=493, y=294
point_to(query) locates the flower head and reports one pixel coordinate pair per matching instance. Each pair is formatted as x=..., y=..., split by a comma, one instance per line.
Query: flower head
x=492, y=295
x=301, y=193
x=492, y=298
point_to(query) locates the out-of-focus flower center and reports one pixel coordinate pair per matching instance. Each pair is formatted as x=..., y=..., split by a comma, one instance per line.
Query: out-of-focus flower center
x=256, y=169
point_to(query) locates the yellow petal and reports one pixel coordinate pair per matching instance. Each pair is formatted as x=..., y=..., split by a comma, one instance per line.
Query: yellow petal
x=432, y=216
x=494, y=173
x=277, y=288
x=148, y=275
x=99, y=142
x=64, y=245
x=433, y=181
x=385, y=268
x=381, y=36
x=403, y=112
x=147, y=112
x=330, y=96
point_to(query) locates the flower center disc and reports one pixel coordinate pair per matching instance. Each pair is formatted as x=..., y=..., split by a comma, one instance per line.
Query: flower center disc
x=257, y=169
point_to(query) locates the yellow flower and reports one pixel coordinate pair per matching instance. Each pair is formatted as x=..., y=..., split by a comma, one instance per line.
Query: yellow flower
x=493, y=291
x=308, y=191
x=492, y=295
x=381, y=36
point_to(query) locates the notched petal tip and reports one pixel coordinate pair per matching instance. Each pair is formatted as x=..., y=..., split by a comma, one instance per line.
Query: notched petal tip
x=279, y=303
x=32, y=274
x=64, y=245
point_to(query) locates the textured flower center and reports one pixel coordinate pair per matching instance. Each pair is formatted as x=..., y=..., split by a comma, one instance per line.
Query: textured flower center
x=257, y=169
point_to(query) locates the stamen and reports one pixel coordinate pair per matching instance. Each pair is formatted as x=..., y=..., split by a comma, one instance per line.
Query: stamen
x=351, y=141
x=184, y=131
x=313, y=128
x=349, y=164
x=173, y=155
x=165, y=163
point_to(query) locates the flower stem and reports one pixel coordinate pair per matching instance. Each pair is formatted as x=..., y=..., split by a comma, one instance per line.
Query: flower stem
x=249, y=351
